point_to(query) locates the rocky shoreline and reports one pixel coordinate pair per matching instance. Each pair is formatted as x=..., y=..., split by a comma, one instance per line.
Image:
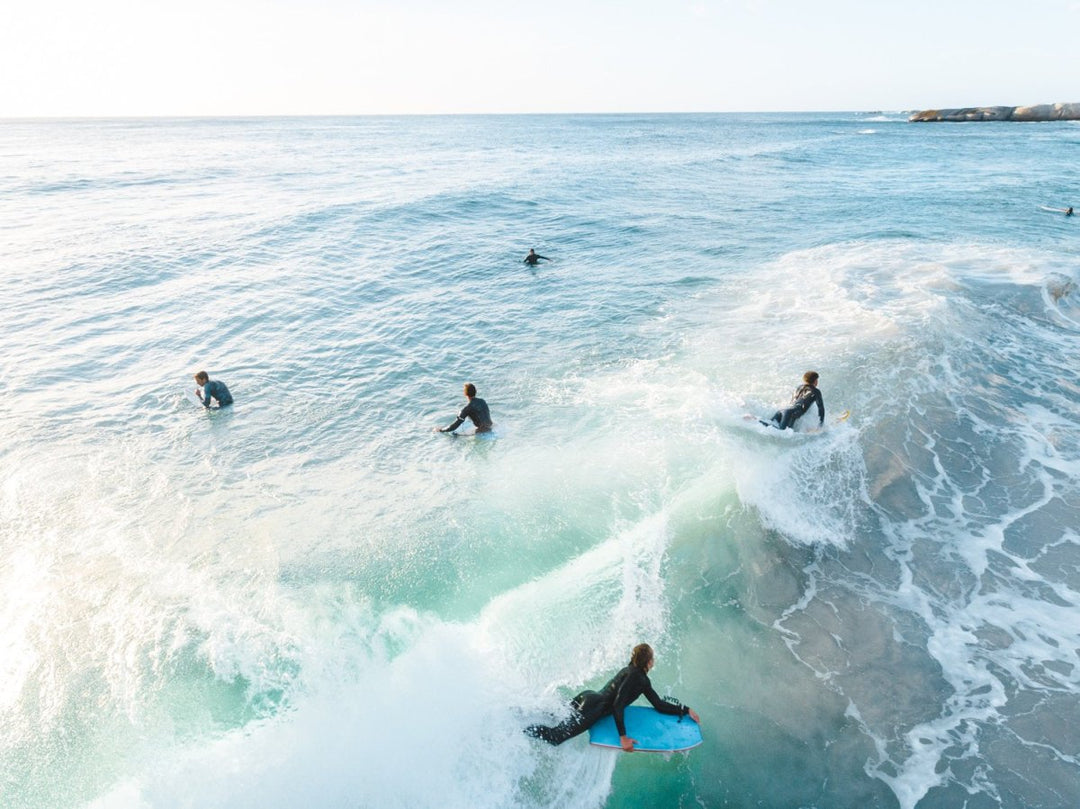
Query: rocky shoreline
x=1040, y=112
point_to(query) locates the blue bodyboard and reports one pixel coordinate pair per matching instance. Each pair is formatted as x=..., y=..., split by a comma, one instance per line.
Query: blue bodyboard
x=655, y=732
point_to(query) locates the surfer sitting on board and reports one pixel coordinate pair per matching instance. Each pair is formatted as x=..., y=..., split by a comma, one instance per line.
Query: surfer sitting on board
x=534, y=258
x=805, y=395
x=211, y=389
x=589, y=707
x=476, y=411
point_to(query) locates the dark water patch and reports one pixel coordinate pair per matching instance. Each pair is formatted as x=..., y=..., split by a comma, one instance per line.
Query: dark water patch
x=1038, y=531
x=890, y=234
x=694, y=282
x=1060, y=563
x=1029, y=772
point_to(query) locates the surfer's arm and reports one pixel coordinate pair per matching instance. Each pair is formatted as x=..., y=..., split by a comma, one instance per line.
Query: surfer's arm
x=664, y=706
x=464, y=414
x=204, y=400
x=820, y=408
x=630, y=689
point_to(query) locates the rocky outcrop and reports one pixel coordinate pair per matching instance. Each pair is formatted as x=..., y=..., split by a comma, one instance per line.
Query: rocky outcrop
x=1040, y=112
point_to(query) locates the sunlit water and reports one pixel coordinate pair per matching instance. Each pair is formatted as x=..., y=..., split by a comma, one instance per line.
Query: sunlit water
x=311, y=599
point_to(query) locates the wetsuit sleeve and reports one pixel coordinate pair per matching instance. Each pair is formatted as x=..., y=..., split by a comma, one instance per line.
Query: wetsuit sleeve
x=820, y=407
x=464, y=414
x=206, y=396
x=662, y=705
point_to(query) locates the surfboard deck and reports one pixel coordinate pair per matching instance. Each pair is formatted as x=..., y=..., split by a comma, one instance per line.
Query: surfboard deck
x=655, y=732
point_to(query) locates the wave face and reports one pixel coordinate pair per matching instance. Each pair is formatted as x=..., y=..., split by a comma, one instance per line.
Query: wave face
x=310, y=599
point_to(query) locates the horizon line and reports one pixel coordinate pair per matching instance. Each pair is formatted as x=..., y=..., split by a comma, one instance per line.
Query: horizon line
x=261, y=115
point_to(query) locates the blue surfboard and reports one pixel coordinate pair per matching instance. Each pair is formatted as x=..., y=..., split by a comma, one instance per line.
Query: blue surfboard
x=655, y=732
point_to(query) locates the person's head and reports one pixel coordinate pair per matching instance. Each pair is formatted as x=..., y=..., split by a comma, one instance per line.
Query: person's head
x=202, y=377
x=810, y=378
x=642, y=657
x=532, y=250
x=470, y=389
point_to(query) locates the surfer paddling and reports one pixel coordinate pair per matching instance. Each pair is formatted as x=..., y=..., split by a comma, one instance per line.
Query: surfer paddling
x=805, y=395
x=589, y=707
x=476, y=411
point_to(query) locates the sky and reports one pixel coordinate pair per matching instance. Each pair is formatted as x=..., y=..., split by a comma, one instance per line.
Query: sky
x=340, y=57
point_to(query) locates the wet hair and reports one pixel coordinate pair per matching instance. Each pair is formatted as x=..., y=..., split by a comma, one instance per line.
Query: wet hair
x=470, y=389
x=810, y=377
x=202, y=377
x=641, y=655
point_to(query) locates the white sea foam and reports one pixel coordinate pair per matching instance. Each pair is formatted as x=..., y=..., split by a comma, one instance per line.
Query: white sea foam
x=454, y=695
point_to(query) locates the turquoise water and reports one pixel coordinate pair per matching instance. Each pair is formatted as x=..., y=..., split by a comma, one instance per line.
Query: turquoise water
x=313, y=600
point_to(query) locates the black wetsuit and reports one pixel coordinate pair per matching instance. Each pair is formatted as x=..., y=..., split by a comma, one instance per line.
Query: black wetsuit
x=476, y=411
x=805, y=395
x=589, y=707
x=532, y=259
x=217, y=390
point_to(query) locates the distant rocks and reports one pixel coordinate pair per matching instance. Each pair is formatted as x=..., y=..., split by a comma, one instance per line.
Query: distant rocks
x=1040, y=112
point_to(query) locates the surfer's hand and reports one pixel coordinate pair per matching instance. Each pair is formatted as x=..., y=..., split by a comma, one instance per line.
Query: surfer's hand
x=627, y=743
x=693, y=715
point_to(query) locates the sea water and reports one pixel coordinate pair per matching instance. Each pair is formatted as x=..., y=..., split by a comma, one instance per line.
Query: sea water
x=312, y=600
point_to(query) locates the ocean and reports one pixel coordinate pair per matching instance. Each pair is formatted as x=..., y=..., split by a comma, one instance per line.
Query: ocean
x=311, y=599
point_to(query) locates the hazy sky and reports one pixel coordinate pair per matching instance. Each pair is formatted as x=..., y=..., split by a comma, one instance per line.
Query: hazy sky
x=265, y=57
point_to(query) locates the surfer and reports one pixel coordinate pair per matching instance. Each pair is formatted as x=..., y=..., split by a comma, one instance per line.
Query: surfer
x=211, y=389
x=476, y=411
x=805, y=395
x=1069, y=211
x=534, y=258
x=589, y=707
